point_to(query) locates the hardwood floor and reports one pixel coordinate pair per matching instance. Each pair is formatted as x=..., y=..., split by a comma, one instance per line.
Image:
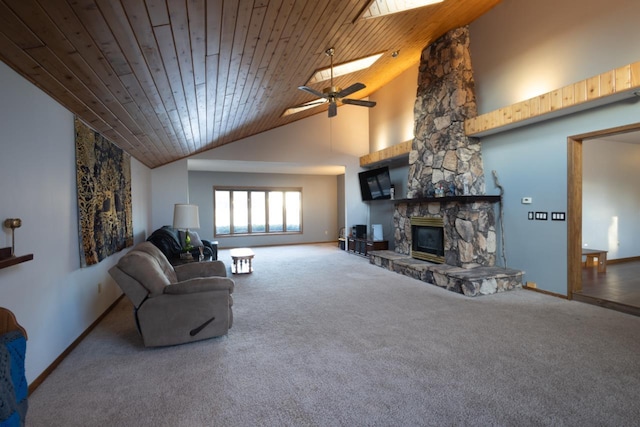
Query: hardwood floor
x=618, y=288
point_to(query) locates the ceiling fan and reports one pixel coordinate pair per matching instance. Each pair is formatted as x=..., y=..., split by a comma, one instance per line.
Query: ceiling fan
x=333, y=94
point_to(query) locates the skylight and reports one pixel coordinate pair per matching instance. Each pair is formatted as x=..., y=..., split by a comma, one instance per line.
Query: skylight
x=387, y=7
x=342, y=69
x=311, y=104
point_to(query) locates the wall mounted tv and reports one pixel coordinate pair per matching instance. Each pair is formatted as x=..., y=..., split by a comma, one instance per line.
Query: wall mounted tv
x=375, y=184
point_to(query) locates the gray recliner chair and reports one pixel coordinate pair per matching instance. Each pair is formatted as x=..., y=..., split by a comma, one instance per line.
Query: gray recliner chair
x=177, y=305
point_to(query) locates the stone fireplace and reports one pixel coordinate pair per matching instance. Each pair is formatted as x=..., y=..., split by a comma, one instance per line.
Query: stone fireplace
x=444, y=162
x=468, y=225
x=446, y=181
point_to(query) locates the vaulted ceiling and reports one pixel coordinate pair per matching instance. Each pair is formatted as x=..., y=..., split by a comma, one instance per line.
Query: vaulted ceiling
x=167, y=79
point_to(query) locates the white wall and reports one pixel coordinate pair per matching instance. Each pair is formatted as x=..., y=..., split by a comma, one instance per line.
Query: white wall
x=514, y=46
x=532, y=162
x=316, y=140
x=319, y=205
x=521, y=49
x=610, y=197
x=391, y=120
x=169, y=185
x=51, y=296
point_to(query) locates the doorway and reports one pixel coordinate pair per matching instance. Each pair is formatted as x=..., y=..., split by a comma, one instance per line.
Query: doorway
x=615, y=289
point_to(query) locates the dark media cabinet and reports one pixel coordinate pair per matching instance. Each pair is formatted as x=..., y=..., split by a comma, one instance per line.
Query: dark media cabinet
x=362, y=247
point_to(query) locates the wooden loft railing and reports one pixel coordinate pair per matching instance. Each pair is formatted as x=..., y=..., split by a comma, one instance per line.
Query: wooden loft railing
x=607, y=87
x=395, y=152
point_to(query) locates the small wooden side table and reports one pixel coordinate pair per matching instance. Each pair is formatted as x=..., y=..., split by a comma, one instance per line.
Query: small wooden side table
x=596, y=257
x=241, y=258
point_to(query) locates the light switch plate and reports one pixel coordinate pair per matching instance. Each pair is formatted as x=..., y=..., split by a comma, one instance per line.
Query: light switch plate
x=542, y=216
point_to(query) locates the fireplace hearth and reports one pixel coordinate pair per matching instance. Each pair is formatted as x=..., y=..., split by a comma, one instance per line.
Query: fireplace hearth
x=467, y=224
x=471, y=282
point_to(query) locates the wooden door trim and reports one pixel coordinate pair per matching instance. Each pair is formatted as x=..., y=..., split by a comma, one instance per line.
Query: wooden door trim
x=574, y=215
x=574, y=202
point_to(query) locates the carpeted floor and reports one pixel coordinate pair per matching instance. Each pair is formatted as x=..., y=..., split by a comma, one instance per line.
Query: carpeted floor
x=323, y=338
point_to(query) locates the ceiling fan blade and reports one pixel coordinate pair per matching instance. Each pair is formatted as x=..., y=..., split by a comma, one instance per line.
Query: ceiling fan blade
x=333, y=109
x=312, y=91
x=359, y=102
x=351, y=89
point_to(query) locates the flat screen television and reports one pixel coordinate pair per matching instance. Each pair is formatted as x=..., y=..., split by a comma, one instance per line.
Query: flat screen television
x=375, y=184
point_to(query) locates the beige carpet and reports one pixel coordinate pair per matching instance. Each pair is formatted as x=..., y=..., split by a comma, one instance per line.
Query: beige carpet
x=323, y=338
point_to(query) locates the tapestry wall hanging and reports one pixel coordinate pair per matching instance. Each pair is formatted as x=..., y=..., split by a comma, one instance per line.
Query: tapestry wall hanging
x=103, y=175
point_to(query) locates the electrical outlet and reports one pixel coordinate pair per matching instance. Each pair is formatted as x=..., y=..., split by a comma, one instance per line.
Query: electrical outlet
x=527, y=200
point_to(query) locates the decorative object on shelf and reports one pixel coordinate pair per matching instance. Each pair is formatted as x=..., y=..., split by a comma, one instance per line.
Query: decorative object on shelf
x=103, y=178
x=8, y=255
x=13, y=223
x=185, y=217
x=452, y=189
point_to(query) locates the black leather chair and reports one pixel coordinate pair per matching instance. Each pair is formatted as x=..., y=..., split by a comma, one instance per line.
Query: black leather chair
x=171, y=242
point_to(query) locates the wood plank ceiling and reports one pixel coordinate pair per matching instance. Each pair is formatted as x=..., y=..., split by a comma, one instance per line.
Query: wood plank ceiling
x=167, y=79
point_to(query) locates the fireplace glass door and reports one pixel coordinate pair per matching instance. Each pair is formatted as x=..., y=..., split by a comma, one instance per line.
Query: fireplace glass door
x=427, y=239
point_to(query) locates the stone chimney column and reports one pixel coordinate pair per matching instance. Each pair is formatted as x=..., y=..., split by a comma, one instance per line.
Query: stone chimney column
x=442, y=155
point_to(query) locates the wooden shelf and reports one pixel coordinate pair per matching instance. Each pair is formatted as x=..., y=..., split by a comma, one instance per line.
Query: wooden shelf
x=6, y=260
x=459, y=199
x=610, y=86
x=395, y=152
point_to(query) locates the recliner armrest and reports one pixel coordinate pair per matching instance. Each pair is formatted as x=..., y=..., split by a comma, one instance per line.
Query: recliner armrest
x=200, y=269
x=200, y=284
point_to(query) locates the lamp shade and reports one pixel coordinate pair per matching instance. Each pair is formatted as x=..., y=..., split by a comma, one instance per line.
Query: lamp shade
x=185, y=216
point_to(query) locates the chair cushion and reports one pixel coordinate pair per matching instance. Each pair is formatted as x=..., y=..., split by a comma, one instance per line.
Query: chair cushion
x=146, y=270
x=160, y=258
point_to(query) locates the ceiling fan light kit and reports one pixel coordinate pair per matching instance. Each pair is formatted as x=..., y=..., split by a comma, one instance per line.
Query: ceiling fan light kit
x=333, y=94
